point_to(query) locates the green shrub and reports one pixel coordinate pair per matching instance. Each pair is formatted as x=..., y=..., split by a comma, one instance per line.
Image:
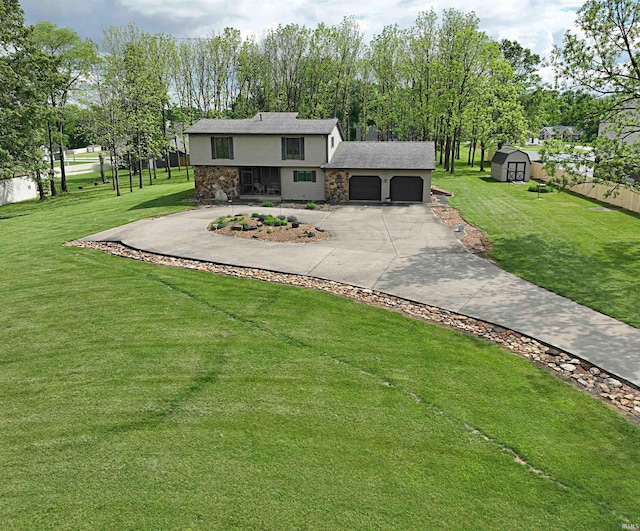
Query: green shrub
x=543, y=188
x=267, y=204
x=311, y=206
x=222, y=224
x=255, y=215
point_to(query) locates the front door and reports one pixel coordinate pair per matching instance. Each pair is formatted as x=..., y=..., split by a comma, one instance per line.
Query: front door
x=515, y=171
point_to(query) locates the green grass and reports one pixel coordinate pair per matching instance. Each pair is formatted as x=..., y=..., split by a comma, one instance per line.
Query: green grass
x=136, y=396
x=558, y=242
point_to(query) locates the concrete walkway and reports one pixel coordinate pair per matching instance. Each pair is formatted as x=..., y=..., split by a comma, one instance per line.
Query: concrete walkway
x=404, y=251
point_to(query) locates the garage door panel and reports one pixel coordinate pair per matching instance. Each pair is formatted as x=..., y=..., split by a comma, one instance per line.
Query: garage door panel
x=407, y=188
x=365, y=188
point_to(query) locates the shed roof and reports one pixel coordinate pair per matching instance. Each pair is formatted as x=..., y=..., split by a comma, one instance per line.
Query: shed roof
x=266, y=123
x=502, y=155
x=384, y=155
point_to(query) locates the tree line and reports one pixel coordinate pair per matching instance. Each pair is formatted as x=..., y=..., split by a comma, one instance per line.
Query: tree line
x=441, y=79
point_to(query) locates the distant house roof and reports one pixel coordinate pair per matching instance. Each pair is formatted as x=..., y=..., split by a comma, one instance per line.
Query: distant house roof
x=502, y=155
x=565, y=130
x=266, y=123
x=384, y=155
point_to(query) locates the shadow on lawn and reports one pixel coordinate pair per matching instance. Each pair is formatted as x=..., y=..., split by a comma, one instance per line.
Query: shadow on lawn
x=167, y=200
x=597, y=280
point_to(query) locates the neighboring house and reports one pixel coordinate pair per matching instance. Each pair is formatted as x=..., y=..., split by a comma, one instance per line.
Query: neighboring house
x=17, y=189
x=628, y=133
x=625, y=127
x=301, y=159
x=566, y=132
x=510, y=165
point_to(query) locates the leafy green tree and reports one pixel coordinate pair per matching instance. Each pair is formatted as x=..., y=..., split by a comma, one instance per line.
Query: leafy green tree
x=603, y=59
x=74, y=58
x=24, y=74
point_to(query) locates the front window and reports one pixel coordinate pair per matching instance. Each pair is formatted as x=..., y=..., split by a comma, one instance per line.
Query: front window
x=293, y=148
x=222, y=147
x=304, y=176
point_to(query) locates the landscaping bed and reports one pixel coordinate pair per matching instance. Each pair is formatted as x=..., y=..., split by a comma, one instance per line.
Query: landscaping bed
x=257, y=226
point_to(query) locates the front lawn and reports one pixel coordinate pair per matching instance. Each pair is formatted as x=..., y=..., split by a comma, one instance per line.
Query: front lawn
x=562, y=242
x=136, y=396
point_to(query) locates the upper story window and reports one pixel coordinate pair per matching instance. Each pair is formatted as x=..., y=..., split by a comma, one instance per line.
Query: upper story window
x=222, y=147
x=293, y=148
x=332, y=141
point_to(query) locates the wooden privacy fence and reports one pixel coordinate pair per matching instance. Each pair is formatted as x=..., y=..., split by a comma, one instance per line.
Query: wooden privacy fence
x=624, y=197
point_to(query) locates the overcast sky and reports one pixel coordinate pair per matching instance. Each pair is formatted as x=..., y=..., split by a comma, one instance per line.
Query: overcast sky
x=536, y=24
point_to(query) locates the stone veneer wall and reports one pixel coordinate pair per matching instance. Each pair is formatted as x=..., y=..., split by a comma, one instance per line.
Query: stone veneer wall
x=333, y=192
x=213, y=181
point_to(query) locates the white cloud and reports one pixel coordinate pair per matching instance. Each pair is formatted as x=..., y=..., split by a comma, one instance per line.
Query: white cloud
x=535, y=24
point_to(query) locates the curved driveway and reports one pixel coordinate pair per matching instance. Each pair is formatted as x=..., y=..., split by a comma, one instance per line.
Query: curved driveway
x=404, y=251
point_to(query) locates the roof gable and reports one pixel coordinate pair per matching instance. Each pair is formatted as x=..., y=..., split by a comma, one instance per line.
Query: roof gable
x=502, y=155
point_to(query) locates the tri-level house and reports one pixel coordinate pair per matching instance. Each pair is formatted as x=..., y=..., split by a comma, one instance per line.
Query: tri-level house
x=281, y=156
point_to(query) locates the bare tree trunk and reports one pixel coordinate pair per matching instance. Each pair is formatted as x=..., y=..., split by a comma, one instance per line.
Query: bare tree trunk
x=175, y=138
x=63, y=172
x=452, y=159
x=155, y=168
x=482, y=157
x=40, y=186
x=102, y=175
x=186, y=156
x=130, y=172
x=116, y=181
x=166, y=149
x=52, y=172
x=167, y=159
x=447, y=153
x=113, y=166
x=149, y=171
x=139, y=162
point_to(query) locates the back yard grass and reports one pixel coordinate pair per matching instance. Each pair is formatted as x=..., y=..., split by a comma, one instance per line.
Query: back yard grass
x=136, y=396
x=562, y=242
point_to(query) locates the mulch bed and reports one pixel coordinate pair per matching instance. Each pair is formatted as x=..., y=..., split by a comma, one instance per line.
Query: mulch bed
x=257, y=230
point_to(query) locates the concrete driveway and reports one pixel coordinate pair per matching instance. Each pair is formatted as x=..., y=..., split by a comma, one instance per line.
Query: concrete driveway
x=404, y=251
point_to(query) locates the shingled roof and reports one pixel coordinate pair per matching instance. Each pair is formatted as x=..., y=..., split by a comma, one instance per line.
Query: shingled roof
x=266, y=123
x=502, y=155
x=384, y=156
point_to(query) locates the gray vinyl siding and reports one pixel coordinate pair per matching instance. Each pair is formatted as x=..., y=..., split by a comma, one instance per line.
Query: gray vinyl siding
x=260, y=150
x=302, y=191
x=337, y=138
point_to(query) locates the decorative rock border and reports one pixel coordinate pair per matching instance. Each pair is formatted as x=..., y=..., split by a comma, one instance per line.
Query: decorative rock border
x=619, y=394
